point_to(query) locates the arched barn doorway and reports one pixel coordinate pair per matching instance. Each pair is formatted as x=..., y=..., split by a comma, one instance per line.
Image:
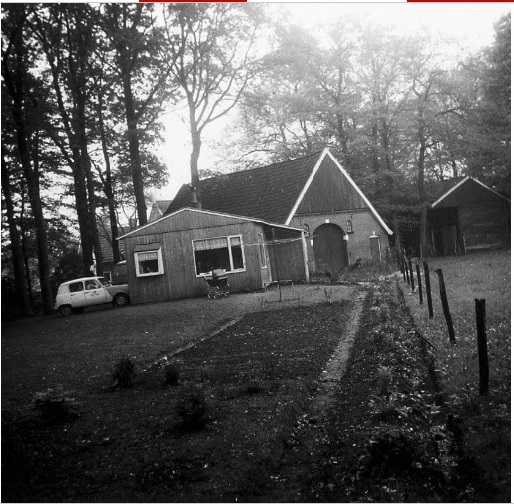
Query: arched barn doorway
x=330, y=250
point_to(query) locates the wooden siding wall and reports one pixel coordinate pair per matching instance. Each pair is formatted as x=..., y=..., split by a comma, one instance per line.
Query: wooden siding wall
x=330, y=191
x=484, y=216
x=286, y=258
x=179, y=279
x=483, y=224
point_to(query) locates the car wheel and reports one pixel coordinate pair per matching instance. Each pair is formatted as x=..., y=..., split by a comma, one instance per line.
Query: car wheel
x=120, y=300
x=66, y=310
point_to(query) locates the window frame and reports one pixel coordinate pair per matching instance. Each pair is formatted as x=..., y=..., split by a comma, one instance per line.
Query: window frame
x=349, y=227
x=227, y=238
x=262, y=251
x=160, y=263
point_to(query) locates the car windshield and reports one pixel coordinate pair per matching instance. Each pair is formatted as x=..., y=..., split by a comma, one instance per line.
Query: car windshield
x=104, y=282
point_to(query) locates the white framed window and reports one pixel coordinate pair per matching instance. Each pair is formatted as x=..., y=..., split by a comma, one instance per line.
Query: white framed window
x=262, y=251
x=349, y=226
x=225, y=253
x=107, y=275
x=149, y=263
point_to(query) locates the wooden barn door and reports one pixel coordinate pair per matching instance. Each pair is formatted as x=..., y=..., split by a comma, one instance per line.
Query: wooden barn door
x=330, y=250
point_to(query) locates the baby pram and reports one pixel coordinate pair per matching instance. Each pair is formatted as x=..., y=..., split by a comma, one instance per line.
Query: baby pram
x=217, y=284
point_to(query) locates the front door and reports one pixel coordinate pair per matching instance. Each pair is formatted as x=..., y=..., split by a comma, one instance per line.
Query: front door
x=330, y=250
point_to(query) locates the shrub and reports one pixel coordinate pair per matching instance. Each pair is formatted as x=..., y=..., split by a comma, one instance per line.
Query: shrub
x=192, y=407
x=124, y=372
x=56, y=406
x=171, y=375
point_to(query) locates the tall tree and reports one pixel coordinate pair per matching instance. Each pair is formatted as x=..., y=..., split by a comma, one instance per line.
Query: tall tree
x=210, y=47
x=26, y=114
x=141, y=65
x=67, y=37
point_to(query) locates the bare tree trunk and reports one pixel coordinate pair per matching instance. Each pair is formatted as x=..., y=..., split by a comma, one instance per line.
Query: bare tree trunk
x=20, y=279
x=423, y=248
x=107, y=186
x=135, y=158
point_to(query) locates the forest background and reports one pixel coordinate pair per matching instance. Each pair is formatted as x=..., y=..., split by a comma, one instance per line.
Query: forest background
x=86, y=89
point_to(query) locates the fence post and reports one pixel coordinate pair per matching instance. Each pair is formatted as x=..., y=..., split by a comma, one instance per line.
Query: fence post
x=429, y=290
x=411, y=274
x=446, y=308
x=404, y=259
x=483, y=361
x=419, y=284
x=402, y=268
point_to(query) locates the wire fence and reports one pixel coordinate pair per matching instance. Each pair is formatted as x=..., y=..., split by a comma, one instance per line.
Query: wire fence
x=455, y=327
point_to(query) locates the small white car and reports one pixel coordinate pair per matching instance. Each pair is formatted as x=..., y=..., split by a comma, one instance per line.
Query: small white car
x=73, y=296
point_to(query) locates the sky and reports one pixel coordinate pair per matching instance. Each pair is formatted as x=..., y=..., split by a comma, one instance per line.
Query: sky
x=471, y=24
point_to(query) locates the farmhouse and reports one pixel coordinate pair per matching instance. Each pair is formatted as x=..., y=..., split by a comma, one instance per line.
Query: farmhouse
x=171, y=257
x=313, y=193
x=465, y=215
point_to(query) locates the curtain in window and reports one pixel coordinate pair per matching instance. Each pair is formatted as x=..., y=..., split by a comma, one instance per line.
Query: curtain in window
x=147, y=256
x=210, y=244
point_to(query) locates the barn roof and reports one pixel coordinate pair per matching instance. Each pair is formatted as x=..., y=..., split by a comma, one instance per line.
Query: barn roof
x=442, y=189
x=268, y=193
x=106, y=247
x=271, y=193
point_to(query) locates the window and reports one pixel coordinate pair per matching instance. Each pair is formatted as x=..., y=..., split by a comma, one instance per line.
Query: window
x=262, y=249
x=219, y=253
x=107, y=275
x=349, y=226
x=76, y=287
x=307, y=229
x=92, y=284
x=149, y=263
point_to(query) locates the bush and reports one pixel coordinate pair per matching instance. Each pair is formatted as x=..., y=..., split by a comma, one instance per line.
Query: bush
x=192, y=407
x=171, y=375
x=124, y=372
x=56, y=406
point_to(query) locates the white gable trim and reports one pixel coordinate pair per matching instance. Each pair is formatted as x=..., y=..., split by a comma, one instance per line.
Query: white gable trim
x=307, y=185
x=208, y=212
x=353, y=184
x=447, y=193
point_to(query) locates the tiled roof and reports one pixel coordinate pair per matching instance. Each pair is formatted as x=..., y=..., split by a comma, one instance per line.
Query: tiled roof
x=106, y=247
x=436, y=188
x=268, y=193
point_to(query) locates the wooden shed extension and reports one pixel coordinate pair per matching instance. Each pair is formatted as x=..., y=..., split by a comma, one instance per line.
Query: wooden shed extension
x=469, y=215
x=170, y=257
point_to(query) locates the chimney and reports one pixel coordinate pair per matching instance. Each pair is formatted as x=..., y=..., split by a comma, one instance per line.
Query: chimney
x=194, y=198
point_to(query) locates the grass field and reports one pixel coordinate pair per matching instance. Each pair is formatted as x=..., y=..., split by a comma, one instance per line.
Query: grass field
x=483, y=421
x=479, y=275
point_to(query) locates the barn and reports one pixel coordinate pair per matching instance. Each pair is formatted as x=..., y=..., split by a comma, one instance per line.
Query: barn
x=467, y=215
x=171, y=257
x=313, y=193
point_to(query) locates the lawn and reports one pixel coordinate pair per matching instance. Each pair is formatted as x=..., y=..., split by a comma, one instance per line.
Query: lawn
x=484, y=421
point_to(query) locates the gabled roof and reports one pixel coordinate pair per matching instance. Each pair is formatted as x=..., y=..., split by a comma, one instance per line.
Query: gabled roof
x=266, y=193
x=449, y=186
x=106, y=247
x=271, y=193
x=158, y=209
x=208, y=212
